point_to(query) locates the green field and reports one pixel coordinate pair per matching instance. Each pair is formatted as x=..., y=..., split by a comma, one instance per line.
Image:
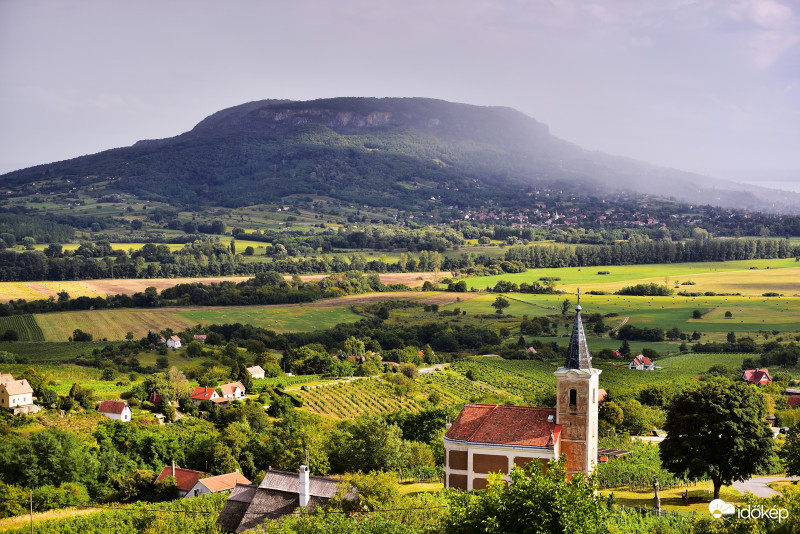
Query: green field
x=749, y=314
x=114, y=324
x=781, y=275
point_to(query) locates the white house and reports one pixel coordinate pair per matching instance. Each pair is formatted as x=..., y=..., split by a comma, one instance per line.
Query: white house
x=642, y=363
x=117, y=410
x=234, y=390
x=256, y=371
x=174, y=342
x=16, y=395
x=225, y=482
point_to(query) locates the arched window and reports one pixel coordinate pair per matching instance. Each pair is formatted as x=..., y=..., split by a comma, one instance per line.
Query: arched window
x=573, y=399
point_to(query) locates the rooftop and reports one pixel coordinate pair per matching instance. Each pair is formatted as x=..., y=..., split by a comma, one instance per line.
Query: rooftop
x=506, y=425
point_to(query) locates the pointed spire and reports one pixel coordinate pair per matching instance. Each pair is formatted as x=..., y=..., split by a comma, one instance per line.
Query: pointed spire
x=578, y=355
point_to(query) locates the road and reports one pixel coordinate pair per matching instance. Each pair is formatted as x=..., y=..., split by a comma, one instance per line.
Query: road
x=758, y=486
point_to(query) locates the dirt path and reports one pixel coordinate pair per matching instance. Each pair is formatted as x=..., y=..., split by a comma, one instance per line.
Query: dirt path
x=620, y=325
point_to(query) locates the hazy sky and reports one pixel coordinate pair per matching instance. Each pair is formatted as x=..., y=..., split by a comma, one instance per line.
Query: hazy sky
x=700, y=85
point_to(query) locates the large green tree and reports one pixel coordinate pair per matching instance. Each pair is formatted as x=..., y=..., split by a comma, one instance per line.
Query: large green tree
x=717, y=428
x=533, y=502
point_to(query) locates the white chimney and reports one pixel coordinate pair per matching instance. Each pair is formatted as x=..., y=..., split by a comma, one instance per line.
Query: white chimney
x=304, y=486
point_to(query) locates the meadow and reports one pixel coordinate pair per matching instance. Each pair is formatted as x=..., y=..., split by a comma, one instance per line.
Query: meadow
x=114, y=324
x=748, y=277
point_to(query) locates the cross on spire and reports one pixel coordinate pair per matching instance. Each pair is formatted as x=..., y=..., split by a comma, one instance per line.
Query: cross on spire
x=579, y=296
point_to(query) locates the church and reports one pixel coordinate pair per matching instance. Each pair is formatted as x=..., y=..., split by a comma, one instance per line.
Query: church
x=490, y=438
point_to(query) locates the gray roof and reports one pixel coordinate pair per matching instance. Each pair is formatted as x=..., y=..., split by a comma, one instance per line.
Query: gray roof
x=578, y=355
x=290, y=482
x=249, y=506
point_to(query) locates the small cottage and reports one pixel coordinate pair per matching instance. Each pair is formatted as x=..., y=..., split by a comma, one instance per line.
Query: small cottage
x=758, y=377
x=233, y=390
x=642, y=363
x=16, y=395
x=200, y=338
x=185, y=478
x=256, y=371
x=118, y=410
x=174, y=342
x=203, y=393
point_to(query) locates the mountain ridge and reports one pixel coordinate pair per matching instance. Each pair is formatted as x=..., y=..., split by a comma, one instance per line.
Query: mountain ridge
x=372, y=148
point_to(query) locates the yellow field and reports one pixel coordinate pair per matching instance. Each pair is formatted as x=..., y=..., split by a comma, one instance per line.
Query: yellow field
x=18, y=290
x=110, y=324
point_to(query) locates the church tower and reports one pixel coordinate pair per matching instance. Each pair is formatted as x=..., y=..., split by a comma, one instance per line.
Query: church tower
x=577, y=402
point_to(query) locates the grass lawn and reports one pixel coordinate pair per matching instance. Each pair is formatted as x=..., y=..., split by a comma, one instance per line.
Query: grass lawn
x=414, y=488
x=671, y=499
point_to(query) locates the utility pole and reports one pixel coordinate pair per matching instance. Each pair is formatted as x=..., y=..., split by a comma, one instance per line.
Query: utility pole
x=31, y=502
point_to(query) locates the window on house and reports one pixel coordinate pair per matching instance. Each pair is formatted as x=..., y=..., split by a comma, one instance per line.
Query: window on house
x=573, y=399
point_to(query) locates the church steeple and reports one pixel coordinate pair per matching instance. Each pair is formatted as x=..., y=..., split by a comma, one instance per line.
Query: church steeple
x=578, y=355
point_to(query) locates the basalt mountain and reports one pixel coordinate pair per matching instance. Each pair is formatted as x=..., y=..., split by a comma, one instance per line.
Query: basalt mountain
x=398, y=152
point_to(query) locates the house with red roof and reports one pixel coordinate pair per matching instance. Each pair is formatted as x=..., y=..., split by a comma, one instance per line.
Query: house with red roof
x=200, y=338
x=489, y=438
x=225, y=482
x=185, y=478
x=758, y=377
x=203, y=393
x=256, y=372
x=118, y=410
x=174, y=342
x=793, y=401
x=642, y=363
x=233, y=390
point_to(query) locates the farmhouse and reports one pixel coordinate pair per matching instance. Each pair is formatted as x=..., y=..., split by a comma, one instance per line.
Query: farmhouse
x=234, y=390
x=203, y=393
x=225, y=482
x=280, y=493
x=200, y=338
x=256, y=371
x=174, y=342
x=185, y=478
x=118, y=410
x=492, y=438
x=17, y=396
x=642, y=363
x=758, y=377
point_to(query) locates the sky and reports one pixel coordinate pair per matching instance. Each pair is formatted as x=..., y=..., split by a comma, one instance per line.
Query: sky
x=710, y=86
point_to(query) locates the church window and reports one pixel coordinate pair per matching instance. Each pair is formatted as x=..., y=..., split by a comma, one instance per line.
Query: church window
x=573, y=399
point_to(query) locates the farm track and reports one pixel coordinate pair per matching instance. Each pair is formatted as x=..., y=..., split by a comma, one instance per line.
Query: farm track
x=620, y=325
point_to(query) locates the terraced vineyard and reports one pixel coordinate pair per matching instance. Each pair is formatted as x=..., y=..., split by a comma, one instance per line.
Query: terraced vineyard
x=346, y=400
x=25, y=326
x=454, y=387
x=525, y=386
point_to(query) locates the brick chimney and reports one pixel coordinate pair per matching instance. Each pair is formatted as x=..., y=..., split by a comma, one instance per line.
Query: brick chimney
x=305, y=484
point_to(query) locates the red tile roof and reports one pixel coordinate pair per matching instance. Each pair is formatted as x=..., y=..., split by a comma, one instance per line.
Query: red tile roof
x=506, y=425
x=793, y=401
x=186, y=477
x=757, y=376
x=6, y=377
x=642, y=360
x=601, y=395
x=112, y=406
x=224, y=482
x=201, y=393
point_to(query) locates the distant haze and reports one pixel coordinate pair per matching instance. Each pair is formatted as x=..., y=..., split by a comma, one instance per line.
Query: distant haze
x=710, y=86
